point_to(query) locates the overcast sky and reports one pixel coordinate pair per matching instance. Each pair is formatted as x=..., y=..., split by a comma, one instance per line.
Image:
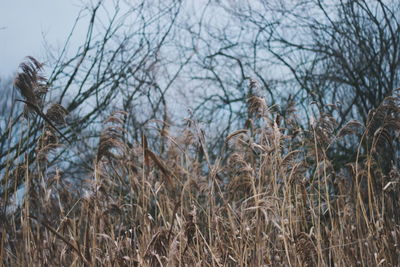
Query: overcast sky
x=26, y=24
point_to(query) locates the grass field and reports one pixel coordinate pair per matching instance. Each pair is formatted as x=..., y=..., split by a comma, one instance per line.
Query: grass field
x=277, y=195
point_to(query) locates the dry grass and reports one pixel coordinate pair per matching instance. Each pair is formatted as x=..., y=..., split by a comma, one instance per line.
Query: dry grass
x=278, y=198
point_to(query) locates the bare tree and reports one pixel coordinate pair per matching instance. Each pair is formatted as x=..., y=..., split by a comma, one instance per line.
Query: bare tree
x=119, y=66
x=155, y=59
x=340, y=56
x=343, y=53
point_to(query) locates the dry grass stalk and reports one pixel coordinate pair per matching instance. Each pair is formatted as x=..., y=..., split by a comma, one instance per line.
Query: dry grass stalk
x=178, y=207
x=29, y=81
x=32, y=86
x=111, y=138
x=56, y=113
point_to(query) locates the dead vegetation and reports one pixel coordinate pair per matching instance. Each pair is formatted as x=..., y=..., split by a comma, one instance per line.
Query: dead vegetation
x=277, y=197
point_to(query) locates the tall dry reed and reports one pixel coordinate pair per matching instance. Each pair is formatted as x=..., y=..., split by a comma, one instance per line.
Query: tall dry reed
x=280, y=196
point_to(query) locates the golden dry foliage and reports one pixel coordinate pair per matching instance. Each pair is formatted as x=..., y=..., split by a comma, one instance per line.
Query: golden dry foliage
x=33, y=87
x=277, y=198
x=30, y=81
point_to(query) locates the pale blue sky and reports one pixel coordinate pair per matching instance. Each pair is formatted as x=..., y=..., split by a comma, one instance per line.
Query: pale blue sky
x=26, y=24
